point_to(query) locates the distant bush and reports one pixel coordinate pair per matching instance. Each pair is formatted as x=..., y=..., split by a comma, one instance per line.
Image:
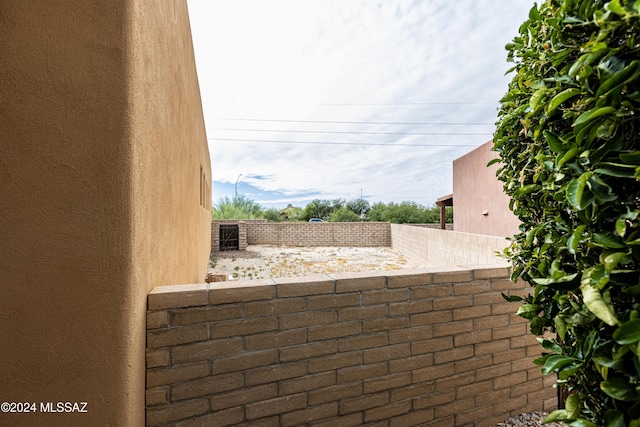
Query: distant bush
x=408, y=213
x=238, y=207
x=241, y=207
x=344, y=215
x=273, y=215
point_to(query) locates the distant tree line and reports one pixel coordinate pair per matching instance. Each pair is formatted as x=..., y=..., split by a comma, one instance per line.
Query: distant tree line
x=336, y=210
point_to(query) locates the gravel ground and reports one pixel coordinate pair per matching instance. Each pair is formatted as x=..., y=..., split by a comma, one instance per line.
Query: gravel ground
x=533, y=419
x=264, y=261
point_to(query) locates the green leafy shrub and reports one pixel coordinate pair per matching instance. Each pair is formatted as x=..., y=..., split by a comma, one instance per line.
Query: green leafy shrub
x=273, y=215
x=238, y=207
x=407, y=212
x=568, y=140
x=344, y=215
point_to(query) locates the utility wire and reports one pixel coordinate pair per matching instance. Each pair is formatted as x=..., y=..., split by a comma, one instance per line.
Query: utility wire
x=356, y=104
x=350, y=132
x=359, y=123
x=341, y=143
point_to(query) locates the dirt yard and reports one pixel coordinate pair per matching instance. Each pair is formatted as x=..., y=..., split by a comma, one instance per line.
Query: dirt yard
x=264, y=261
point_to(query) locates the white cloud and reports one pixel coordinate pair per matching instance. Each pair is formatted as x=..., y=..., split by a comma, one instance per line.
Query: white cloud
x=287, y=60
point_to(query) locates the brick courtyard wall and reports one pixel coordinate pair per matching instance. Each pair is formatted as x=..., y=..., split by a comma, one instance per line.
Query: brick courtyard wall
x=446, y=248
x=319, y=233
x=426, y=347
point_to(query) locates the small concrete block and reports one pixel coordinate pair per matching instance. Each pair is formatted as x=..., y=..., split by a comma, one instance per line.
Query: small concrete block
x=177, y=296
x=157, y=396
x=499, y=271
x=313, y=285
x=408, y=278
x=157, y=358
x=157, y=319
x=360, y=281
x=241, y=291
x=450, y=274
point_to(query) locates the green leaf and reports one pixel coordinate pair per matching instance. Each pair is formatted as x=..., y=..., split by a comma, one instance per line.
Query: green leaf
x=561, y=326
x=573, y=243
x=586, y=59
x=537, y=325
x=618, y=170
x=529, y=311
x=592, y=114
x=611, y=261
x=527, y=189
x=619, y=79
x=613, y=418
x=595, y=276
x=511, y=298
x=581, y=422
x=631, y=158
x=600, y=189
x=554, y=280
x=568, y=371
x=621, y=226
x=556, y=362
x=555, y=143
x=569, y=155
x=619, y=389
x=615, y=7
x=596, y=304
x=534, y=15
x=493, y=161
x=541, y=360
x=628, y=332
x=537, y=97
x=557, y=100
x=557, y=415
x=608, y=240
x=572, y=406
x=611, y=147
x=552, y=345
x=577, y=193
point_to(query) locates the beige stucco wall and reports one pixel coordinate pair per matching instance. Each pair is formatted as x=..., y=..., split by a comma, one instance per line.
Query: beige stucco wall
x=444, y=248
x=476, y=190
x=102, y=155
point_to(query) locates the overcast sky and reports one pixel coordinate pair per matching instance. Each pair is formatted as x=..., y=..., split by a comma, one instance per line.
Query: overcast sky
x=330, y=99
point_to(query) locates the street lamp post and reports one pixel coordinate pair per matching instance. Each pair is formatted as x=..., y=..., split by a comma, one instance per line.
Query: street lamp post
x=237, y=185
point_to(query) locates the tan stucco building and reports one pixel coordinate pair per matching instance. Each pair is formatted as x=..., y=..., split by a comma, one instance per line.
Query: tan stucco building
x=105, y=193
x=481, y=206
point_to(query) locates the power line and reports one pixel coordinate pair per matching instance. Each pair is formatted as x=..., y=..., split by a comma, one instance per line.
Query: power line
x=341, y=143
x=352, y=132
x=347, y=122
x=358, y=104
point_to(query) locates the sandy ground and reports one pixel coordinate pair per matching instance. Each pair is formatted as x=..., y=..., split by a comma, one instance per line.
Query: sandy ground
x=264, y=261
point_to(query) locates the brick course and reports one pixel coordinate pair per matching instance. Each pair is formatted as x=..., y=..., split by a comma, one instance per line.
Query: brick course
x=319, y=234
x=427, y=347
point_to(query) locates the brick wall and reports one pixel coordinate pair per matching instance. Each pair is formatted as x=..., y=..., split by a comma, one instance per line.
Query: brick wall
x=319, y=233
x=446, y=248
x=261, y=232
x=424, y=347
